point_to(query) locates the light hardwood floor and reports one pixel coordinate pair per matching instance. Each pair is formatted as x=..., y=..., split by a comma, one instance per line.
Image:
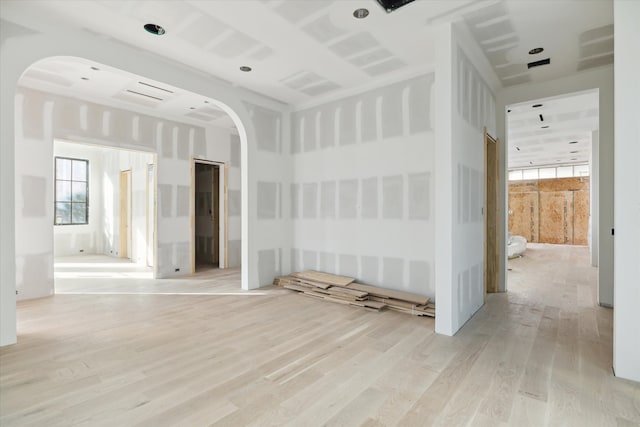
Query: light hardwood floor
x=538, y=355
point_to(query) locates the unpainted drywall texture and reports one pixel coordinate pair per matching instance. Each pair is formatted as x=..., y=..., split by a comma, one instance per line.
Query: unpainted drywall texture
x=81, y=239
x=626, y=316
x=41, y=117
x=362, y=187
x=474, y=110
x=275, y=162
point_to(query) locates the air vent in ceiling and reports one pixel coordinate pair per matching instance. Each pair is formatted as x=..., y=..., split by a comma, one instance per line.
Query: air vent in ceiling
x=144, y=94
x=539, y=63
x=156, y=87
x=391, y=5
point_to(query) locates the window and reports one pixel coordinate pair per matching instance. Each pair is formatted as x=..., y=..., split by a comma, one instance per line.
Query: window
x=71, y=191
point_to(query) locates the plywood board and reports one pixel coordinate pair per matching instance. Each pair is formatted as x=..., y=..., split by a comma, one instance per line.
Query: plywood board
x=524, y=215
x=580, y=217
x=389, y=293
x=556, y=217
x=331, y=279
x=564, y=184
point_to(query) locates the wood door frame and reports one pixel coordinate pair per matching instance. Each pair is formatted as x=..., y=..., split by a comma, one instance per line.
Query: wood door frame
x=126, y=243
x=491, y=254
x=152, y=216
x=223, y=214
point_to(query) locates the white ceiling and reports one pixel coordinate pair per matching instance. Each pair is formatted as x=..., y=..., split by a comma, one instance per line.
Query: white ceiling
x=303, y=50
x=569, y=119
x=87, y=80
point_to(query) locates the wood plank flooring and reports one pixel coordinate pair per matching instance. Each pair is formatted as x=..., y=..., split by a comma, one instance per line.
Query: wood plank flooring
x=538, y=355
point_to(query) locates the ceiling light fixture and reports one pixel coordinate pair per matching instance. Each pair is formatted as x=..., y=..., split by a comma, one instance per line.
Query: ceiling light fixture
x=192, y=108
x=574, y=158
x=573, y=142
x=536, y=105
x=545, y=127
x=535, y=51
x=573, y=152
x=206, y=102
x=530, y=163
x=84, y=78
x=361, y=13
x=95, y=68
x=245, y=68
x=154, y=29
x=518, y=148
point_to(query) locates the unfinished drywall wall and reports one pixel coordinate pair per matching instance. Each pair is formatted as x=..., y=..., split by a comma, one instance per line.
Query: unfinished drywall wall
x=600, y=79
x=41, y=117
x=550, y=210
x=81, y=239
x=626, y=316
x=115, y=162
x=362, y=187
x=466, y=105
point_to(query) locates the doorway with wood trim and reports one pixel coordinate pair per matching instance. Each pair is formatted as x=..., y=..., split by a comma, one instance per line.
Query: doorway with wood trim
x=208, y=215
x=491, y=153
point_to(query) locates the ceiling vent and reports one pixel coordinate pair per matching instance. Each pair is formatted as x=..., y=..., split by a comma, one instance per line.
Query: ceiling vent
x=391, y=5
x=539, y=63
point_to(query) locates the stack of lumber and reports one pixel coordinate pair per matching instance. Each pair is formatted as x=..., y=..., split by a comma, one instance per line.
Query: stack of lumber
x=345, y=290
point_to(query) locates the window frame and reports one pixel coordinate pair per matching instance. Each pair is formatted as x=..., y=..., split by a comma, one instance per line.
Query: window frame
x=71, y=181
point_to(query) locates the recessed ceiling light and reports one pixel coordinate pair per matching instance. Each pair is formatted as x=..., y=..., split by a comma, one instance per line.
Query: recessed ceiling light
x=361, y=13
x=537, y=105
x=154, y=29
x=84, y=78
x=206, y=102
x=245, y=68
x=530, y=163
x=535, y=51
x=192, y=108
x=574, y=158
x=573, y=142
x=545, y=127
x=508, y=111
x=95, y=68
x=573, y=152
x=518, y=148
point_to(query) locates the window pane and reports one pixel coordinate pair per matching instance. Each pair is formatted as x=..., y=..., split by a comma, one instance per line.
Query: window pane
x=565, y=171
x=546, y=173
x=63, y=168
x=530, y=174
x=63, y=191
x=63, y=213
x=515, y=175
x=79, y=191
x=581, y=170
x=79, y=170
x=79, y=213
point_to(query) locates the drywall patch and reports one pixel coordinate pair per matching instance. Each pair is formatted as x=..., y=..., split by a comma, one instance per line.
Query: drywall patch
x=328, y=199
x=348, y=197
x=266, y=124
x=181, y=139
x=309, y=128
x=369, y=119
x=234, y=253
x=392, y=272
x=182, y=200
x=420, y=277
x=182, y=254
x=348, y=265
x=310, y=200
x=419, y=195
x=66, y=115
x=234, y=160
x=166, y=147
x=348, y=122
x=392, y=111
x=267, y=200
x=33, y=117
x=199, y=143
x=165, y=200
x=419, y=97
x=392, y=197
x=370, y=198
x=370, y=269
x=266, y=266
x=235, y=202
x=309, y=260
x=295, y=200
x=296, y=132
x=327, y=126
x=296, y=263
x=34, y=196
x=327, y=262
x=120, y=126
